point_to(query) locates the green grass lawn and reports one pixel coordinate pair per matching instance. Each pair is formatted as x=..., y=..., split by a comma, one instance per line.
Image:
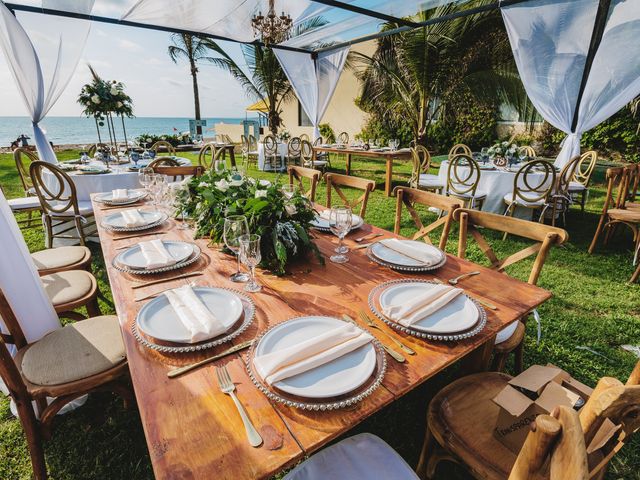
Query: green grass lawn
x=592, y=306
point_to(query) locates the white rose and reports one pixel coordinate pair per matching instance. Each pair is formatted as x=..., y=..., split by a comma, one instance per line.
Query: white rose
x=95, y=99
x=185, y=182
x=290, y=208
x=203, y=185
x=264, y=183
x=114, y=91
x=222, y=185
x=261, y=193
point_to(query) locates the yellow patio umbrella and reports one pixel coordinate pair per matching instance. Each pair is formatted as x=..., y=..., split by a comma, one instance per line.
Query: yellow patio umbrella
x=261, y=106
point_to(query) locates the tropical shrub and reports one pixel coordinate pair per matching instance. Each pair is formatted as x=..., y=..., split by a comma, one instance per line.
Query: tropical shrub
x=175, y=140
x=327, y=133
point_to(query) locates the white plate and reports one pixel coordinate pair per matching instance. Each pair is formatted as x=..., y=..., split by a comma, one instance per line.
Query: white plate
x=323, y=224
x=159, y=320
x=391, y=256
x=458, y=315
x=332, y=379
x=133, y=258
x=132, y=197
x=115, y=220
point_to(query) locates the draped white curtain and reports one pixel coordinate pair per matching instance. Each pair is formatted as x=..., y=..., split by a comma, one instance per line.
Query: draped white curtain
x=314, y=81
x=550, y=41
x=43, y=60
x=20, y=282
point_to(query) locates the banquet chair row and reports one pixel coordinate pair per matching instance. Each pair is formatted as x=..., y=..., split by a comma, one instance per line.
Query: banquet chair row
x=64, y=365
x=162, y=146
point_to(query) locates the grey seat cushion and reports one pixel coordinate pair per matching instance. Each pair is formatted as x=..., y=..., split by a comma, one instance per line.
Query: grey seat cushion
x=69, y=286
x=60, y=257
x=76, y=351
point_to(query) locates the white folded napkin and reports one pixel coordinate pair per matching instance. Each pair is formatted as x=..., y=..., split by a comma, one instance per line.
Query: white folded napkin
x=326, y=215
x=309, y=354
x=421, y=306
x=132, y=218
x=428, y=256
x=120, y=195
x=201, y=323
x=155, y=255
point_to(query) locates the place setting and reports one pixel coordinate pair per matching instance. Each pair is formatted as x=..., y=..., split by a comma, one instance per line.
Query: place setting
x=323, y=220
x=191, y=318
x=428, y=309
x=120, y=197
x=156, y=256
x=316, y=363
x=406, y=255
x=133, y=220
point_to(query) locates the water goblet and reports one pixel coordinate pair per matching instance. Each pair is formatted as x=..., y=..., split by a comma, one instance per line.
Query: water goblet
x=235, y=226
x=145, y=177
x=135, y=158
x=250, y=255
x=289, y=191
x=219, y=166
x=340, y=225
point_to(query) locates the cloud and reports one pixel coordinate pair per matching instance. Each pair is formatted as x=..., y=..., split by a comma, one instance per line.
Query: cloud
x=129, y=46
x=154, y=62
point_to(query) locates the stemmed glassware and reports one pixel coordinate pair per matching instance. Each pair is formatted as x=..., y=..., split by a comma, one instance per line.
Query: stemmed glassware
x=340, y=225
x=158, y=188
x=185, y=195
x=219, y=166
x=484, y=153
x=289, y=191
x=145, y=177
x=251, y=256
x=235, y=226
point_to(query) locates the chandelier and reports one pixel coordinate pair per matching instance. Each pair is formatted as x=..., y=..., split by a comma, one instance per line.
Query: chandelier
x=271, y=28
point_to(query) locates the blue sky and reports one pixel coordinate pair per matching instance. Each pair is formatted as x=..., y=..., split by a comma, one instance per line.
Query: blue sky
x=139, y=58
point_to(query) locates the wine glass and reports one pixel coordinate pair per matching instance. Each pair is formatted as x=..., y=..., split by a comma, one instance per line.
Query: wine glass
x=219, y=166
x=185, y=196
x=251, y=256
x=340, y=225
x=135, y=158
x=289, y=191
x=235, y=226
x=485, y=154
x=158, y=188
x=145, y=177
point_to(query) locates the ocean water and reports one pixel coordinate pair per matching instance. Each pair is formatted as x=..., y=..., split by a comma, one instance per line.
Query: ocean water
x=79, y=130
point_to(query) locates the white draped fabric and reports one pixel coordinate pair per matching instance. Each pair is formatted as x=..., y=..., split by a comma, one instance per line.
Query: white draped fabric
x=43, y=60
x=550, y=41
x=314, y=80
x=20, y=282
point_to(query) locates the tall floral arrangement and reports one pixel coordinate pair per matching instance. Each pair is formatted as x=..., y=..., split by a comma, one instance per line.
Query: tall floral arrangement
x=283, y=222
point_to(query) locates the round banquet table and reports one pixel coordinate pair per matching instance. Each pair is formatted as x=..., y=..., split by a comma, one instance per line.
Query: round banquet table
x=283, y=150
x=495, y=184
x=119, y=177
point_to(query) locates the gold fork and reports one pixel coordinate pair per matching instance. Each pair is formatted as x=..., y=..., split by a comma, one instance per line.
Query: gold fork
x=227, y=386
x=365, y=318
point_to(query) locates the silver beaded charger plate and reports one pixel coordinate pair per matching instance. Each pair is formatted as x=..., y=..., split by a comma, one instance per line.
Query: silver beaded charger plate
x=352, y=397
x=112, y=222
x=107, y=198
x=122, y=268
x=248, y=314
x=322, y=224
x=406, y=268
x=374, y=305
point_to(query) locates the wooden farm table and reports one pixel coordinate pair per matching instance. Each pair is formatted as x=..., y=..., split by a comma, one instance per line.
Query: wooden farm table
x=194, y=431
x=388, y=156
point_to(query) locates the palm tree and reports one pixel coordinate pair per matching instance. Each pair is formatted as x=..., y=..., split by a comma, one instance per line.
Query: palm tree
x=193, y=49
x=414, y=76
x=265, y=79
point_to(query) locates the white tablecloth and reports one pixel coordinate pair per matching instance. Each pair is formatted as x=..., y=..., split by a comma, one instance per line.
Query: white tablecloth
x=120, y=177
x=283, y=150
x=496, y=184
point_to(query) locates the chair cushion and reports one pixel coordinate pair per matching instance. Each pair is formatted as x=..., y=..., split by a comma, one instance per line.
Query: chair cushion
x=84, y=207
x=60, y=257
x=508, y=199
x=429, y=180
x=24, y=203
x=69, y=286
x=468, y=196
x=78, y=350
x=317, y=163
x=506, y=333
x=576, y=187
x=360, y=457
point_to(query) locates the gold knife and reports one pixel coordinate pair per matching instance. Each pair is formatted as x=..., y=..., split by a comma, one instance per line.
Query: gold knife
x=397, y=356
x=179, y=371
x=490, y=306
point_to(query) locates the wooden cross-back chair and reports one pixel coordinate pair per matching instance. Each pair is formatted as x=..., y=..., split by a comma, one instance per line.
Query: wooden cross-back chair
x=19, y=156
x=80, y=358
x=163, y=144
x=544, y=236
x=179, y=172
x=60, y=206
x=463, y=179
x=296, y=174
x=163, y=162
x=420, y=176
x=459, y=149
x=579, y=184
x=461, y=419
x=615, y=210
x=335, y=181
x=409, y=197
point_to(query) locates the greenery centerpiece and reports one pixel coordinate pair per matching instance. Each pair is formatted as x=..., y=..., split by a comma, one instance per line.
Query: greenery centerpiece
x=101, y=99
x=282, y=221
x=504, y=150
x=175, y=139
